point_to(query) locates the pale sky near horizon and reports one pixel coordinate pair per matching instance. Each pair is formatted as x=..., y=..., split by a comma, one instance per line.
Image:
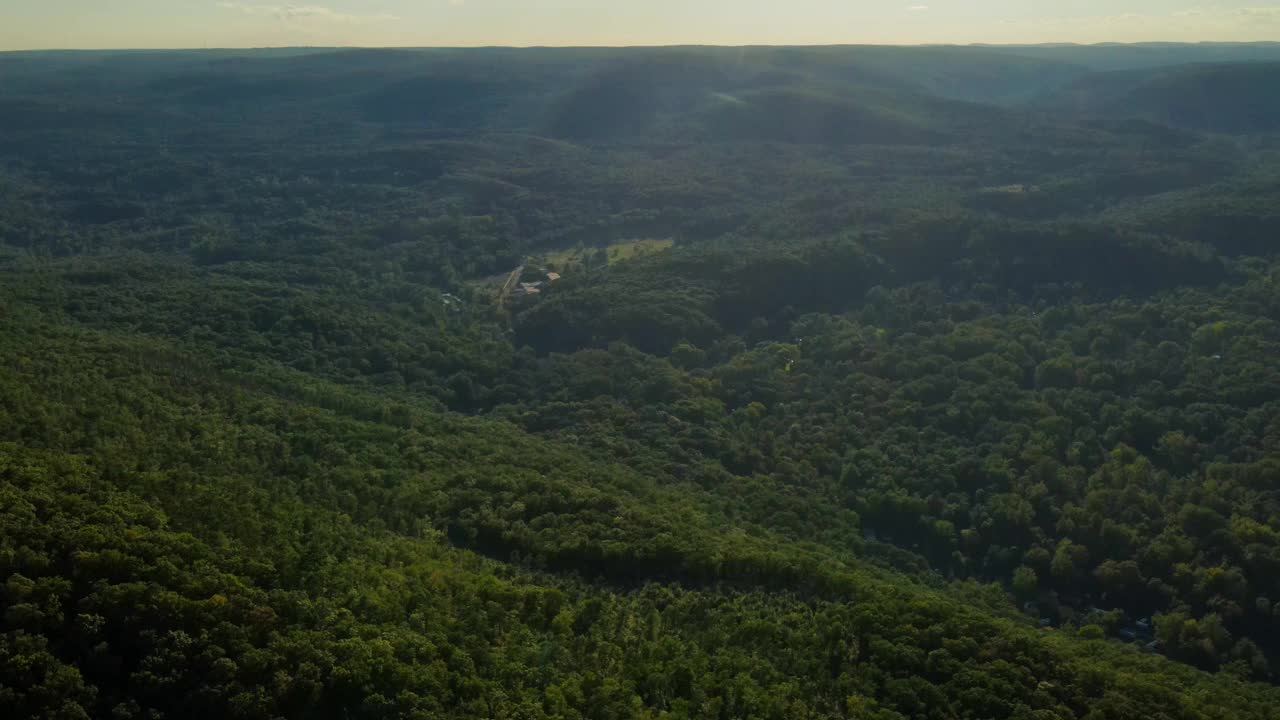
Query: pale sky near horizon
x=41, y=24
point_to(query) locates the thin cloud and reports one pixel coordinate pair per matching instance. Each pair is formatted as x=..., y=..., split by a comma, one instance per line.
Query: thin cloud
x=1229, y=12
x=1213, y=16
x=1264, y=12
x=918, y=8
x=303, y=13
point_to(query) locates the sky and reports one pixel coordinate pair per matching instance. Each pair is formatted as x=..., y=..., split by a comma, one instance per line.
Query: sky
x=43, y=24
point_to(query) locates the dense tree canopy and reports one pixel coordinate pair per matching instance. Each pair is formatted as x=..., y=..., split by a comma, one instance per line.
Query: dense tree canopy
x=931, y=391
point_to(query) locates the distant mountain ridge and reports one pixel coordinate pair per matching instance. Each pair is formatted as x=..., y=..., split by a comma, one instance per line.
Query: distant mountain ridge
x=847, y=93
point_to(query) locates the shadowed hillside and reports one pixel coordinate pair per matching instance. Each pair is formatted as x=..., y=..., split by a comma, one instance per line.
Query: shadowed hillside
x=1228, y=98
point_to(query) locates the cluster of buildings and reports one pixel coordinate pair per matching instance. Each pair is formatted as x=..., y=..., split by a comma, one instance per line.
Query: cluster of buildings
x=529, y=290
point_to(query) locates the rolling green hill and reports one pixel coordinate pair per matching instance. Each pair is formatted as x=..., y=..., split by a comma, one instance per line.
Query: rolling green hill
x=178, y=533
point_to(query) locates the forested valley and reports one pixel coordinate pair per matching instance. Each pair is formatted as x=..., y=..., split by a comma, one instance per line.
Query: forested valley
x=848, y=382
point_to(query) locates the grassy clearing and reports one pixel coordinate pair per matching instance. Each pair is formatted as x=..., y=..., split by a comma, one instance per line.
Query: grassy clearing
x=623, y=250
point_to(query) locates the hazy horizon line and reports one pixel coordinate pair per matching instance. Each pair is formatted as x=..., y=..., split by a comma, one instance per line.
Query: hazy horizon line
x=1144, y=43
